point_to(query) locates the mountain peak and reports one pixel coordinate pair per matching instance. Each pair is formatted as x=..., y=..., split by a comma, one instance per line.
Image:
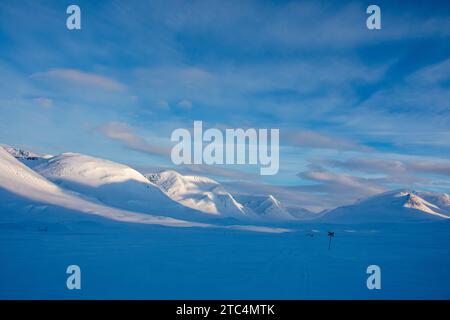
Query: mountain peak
x=22, y=154
x=197, y=192
x=267, y=207
x=393, y=206
x=413, y=201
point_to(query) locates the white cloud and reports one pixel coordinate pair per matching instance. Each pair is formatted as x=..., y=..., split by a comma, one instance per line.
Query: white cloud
x=44, y=102
x=343, y=183
x=120, y=131
x=185, y=104
x=162, y=104
x=312, y=139
x=393, y=167
x=81, y=78
x=219, y=171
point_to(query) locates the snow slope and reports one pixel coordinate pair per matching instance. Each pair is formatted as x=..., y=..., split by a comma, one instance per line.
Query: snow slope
x=25, y=154
x=266, y=207
x=18, y=179
x=171, y=194
x=303, y=214
x=29, y=158
x=393, y=206
x=166, y=193
x=111, y=183
x=86, y=170
x=200, y=193
x=209, y=196
x=23, y=190
x=440, y=200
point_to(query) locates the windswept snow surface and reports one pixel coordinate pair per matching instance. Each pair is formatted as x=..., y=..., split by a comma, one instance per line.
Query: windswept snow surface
x=135, y=261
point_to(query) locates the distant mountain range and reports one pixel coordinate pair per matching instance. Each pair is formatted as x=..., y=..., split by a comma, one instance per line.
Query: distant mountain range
x=393, y=206
x=92, y=185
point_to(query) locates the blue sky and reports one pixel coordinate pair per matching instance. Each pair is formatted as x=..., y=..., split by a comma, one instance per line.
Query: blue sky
x=359, y=111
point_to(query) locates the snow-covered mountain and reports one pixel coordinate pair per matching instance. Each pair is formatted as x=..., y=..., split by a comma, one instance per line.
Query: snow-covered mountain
x=209, y=196
x=165, y=193
x=111, y=183
x=45, y=226
x=77, y=181
x=200, y=193
x=29, y=158
x=303, y=214
x=89, y=171
x=24, y=190
x=393, y=206
x=441, y=200
x=266, y=207
x=24, y=154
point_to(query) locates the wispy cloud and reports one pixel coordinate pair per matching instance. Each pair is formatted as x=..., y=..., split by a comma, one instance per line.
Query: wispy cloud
x=274, y=88
x=413, y=114
x=341, y=184
x=43, y=102
x=312, y=139
x=300, y=24
x=392, y=166
x=122, y=132
x=185, y=104
x=81, y=78
x=162, y=104
x=219, y=171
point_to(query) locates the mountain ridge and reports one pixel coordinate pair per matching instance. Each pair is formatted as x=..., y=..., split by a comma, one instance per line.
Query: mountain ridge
x=170, y=192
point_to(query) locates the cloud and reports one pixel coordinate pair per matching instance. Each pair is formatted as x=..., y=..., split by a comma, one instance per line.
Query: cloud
x=122, y=132
x=185, y=104
x=437, y=73
x=312, y=139
x=291, y=91
x=162, y=104
x=341, y=183
x=295, y=64
x=44, y=102
x=369, y=165
x=425, y=91
x=300, y=24
x=219, y=171
x=381, y=173
x=81, y=78
x=433, y=167
x=393, y=167
x=321, y=188
x=410, y=115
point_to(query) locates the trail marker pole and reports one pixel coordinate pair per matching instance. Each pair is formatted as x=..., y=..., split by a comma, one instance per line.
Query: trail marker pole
x=330, y=235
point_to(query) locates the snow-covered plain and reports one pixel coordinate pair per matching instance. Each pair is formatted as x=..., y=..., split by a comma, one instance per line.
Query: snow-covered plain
x=123, y=229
